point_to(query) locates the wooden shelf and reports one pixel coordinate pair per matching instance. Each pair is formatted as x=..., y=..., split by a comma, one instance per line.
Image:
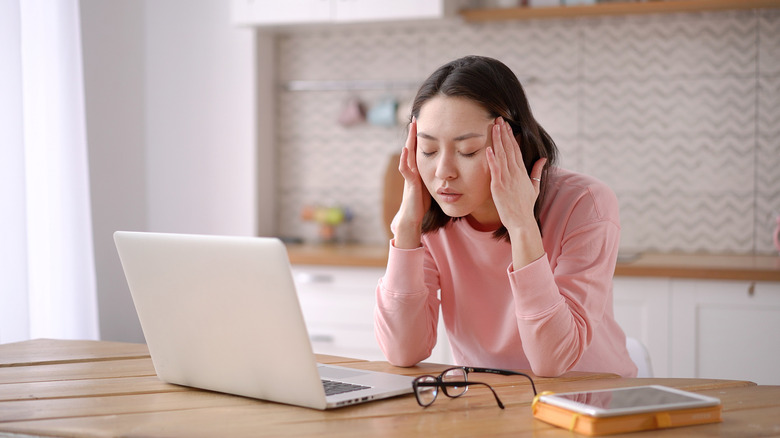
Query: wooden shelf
x=617, y=8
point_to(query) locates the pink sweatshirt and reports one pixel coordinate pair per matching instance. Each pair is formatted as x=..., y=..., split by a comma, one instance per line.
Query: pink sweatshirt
x=552, y=316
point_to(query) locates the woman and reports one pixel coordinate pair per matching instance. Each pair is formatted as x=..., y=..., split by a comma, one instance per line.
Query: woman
x=522, y=253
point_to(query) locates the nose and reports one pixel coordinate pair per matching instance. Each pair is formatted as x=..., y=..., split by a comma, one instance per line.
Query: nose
x=445, y=167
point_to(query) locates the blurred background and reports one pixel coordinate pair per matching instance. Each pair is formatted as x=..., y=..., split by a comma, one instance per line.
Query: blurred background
x=262, y=118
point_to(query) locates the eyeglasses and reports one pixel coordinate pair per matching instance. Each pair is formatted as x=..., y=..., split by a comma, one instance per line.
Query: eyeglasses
x=454, y=382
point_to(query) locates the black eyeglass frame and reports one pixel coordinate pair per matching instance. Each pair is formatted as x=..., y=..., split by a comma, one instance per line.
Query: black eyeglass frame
x=439, y=382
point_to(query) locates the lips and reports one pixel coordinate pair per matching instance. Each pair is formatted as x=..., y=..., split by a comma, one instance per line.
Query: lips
x=448, y=195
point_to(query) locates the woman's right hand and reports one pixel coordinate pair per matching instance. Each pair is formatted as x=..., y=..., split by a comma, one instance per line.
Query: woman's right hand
x=416, y=199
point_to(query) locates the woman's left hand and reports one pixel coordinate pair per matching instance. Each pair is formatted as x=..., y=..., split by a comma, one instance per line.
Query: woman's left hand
x=514, y=191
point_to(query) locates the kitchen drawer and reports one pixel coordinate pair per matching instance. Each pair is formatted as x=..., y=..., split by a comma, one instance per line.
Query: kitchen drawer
x=356, y=342
x=343, y=297
x=338, y=306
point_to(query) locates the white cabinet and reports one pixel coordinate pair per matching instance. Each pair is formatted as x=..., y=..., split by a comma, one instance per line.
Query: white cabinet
x=642, y=310
x=338, y=306
x=273, y=12
x=294, y=12
x=692, y=328
x=726, y=329
x=704, y=328
x=378, y=10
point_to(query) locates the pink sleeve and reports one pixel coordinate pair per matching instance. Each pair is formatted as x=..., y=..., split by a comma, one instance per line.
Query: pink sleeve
x=557, y=311
x=407, y=307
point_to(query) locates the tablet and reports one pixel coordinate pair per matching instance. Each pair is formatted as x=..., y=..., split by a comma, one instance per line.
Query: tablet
x=624, y=401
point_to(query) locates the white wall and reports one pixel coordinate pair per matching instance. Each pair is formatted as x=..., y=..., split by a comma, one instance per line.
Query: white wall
x=112, y=38
x=199, y=119
x=170, y=98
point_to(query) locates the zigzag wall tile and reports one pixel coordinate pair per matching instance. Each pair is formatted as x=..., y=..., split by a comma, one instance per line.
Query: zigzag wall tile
x=767, y=211
x=441, y=45
x=322, y=163
x=712, y=223
x=679, y=114
x=681, y=45
x=555, y=106
x=769, y=106
x=672, y=164
x=570, y=152
x=650, y=107
x=769, y=42
x=768, y=162
x=388, y=53
x=534, y=50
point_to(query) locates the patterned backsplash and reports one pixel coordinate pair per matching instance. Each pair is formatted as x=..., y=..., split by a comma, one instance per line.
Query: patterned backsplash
x=679, y=114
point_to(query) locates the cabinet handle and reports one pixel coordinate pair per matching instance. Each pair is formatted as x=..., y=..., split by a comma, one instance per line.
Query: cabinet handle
x=309, y=278
x=752, y=289
x=322, y=338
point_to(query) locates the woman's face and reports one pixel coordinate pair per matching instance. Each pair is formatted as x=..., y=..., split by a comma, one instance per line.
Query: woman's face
x=452, y=135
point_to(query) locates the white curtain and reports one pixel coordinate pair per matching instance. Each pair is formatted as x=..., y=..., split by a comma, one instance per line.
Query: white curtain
x=47, y=269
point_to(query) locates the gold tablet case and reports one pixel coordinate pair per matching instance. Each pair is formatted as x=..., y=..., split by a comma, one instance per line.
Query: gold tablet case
x=596, y=426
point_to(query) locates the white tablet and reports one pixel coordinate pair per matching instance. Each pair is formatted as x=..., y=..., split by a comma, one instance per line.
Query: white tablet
x=633, y=400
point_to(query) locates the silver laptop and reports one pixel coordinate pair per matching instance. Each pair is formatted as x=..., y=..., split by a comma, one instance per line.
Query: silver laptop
x=222, y=313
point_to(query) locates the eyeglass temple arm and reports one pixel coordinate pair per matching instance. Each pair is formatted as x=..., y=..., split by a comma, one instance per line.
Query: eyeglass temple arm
x=503, y=373
x=498, y=400
x=440, y=384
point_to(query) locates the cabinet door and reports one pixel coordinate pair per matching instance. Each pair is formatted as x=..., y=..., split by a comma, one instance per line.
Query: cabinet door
x=375, y=10
x=642, y=308
x=274, y=12
x=338, y=307
x=726, y=330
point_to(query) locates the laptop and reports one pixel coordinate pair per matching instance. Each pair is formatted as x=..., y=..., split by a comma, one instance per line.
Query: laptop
x=222, y=314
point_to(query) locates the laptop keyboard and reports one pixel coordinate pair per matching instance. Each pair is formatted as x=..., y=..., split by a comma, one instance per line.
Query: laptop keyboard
x=333, y=387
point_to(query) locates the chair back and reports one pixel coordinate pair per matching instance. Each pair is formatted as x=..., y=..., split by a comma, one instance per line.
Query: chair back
x=640, y=356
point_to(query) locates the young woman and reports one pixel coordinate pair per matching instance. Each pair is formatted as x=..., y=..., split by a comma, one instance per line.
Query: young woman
x=518, y=254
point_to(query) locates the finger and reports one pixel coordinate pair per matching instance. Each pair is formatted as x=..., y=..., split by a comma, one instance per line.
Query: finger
x=491, y=160
x=499, y=151
x=410, y=174
x=403, y=164
x=496, y=171
x=411, y=146
x=507, y=141
x=536, y=173
x=514, y=154
x=513, y=159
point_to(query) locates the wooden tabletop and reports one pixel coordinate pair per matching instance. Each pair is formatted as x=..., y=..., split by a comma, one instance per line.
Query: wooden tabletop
x=671, y=265
x=94, y=388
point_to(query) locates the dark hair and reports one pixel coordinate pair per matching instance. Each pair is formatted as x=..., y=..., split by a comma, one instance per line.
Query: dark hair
x=495, y=87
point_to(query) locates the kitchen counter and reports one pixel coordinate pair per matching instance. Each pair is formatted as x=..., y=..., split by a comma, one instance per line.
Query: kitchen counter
x=338, y=255
x=695, y=266
x=702, y=266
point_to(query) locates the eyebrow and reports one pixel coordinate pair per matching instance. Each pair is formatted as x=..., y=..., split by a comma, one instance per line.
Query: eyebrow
x=458, y=138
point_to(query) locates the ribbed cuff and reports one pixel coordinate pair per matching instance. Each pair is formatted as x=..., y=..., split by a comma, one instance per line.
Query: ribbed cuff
x=405, y=272
x=534, y=288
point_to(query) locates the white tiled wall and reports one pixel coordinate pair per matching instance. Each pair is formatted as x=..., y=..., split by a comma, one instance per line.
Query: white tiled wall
x=679, y=114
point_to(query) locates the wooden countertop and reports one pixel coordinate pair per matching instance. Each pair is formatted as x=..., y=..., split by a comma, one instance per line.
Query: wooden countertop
x=695, y=266
x=703, y=266
x=374, y=256
x=612, y=8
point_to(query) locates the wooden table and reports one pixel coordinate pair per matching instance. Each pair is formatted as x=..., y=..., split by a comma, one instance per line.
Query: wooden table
x=97, y=389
